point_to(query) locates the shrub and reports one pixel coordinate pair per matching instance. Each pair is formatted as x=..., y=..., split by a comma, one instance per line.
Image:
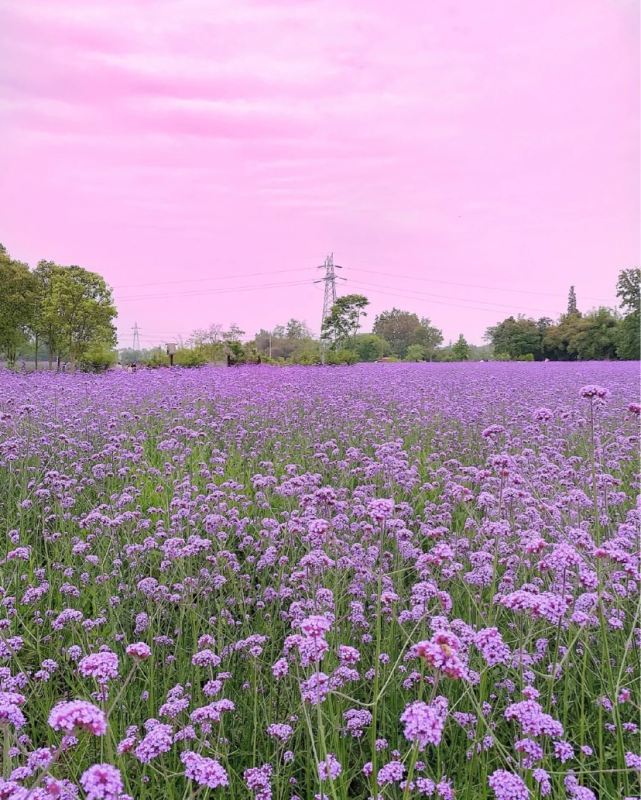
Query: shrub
x=98, y=358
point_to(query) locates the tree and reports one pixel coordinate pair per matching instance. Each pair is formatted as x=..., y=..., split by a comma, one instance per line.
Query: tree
x=79, y=310
x=213, y=334
x=45, y=326
x=572, y=307
x=629, y=289
x=629, y=337
x=415, y=352
x=297, y=330
x=285, y=341
x=590, y=337
x=234, y=334
x=370, y=347
x=428, y=337
x=17, y=304
x=398, y=328
x=461, y=349
x=343, y=322
x=629, y=333
x=594, y=336
x=516, y=338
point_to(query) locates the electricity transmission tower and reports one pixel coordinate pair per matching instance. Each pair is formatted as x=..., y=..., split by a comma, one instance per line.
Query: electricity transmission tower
x=136, y=330
x=329, y=297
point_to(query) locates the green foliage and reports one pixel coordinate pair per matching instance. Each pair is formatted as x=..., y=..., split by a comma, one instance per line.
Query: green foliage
x=156, y=358
x=17, y=304
x=307, y=353
x=401, y=329
x=190, y=357
x=572, y=306
x=370, y=347
x=98, y=358
x=629, y=289
x=592, y=337
x=292, y=342
x=342, y=325
x=78, y=309
x=342, y=356
x=415, y=352
x=517, y=337
x=526, y=357
x=461, y=350
x=628, y=337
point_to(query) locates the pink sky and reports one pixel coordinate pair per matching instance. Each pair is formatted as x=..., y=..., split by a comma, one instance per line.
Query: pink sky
x=487, y=143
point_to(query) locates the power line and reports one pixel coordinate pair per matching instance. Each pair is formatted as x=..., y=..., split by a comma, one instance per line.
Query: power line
x=356, y=269
x=463, y=299
x=435, y=302
x=215, y=291
x=216, y=278
x=468, y=285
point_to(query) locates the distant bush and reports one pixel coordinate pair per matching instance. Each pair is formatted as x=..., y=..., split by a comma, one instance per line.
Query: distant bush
x=98, y=358
x=342, y=356
x=415, y=352
x=186, y=357
x=526, y=357
x=157, y=359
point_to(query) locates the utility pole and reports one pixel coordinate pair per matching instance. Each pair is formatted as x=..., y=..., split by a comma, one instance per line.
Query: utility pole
x=136, y=330
x=329, y=297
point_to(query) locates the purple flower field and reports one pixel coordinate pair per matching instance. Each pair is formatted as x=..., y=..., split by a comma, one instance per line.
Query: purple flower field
x=385, y=581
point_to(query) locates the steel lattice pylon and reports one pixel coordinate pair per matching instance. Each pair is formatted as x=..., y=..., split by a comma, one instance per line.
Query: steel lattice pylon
x=329, y=297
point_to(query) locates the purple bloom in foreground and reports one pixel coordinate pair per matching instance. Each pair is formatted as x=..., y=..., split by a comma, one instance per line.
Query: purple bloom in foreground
x=204, y=771
x=78, y=714
x=329, y=769
x=424, y=723
x=102, y=782
x=507, y=786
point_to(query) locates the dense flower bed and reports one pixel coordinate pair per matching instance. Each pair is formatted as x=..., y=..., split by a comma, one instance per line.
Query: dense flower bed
x=382, y=581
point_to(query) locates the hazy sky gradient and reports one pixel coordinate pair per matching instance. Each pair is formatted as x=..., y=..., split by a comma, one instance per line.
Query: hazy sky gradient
x=479, y=144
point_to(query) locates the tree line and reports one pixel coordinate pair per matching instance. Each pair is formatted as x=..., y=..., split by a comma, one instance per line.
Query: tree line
x=597, y=335
x=56, y=313
x=68, y=311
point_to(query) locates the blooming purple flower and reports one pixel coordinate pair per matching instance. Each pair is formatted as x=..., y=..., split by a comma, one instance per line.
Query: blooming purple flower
x=204, y=771
x=507, y=786
x=138, y=650
x=424, y=723
x=102, y=782
x=329, y=769
x=78, y=715
x=102, y=666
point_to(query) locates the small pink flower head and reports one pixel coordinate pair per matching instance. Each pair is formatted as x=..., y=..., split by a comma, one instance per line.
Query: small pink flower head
x=315, y=626
x=101, y=666
x=204, y=771
x=78, y=714
x=329, y=769
x=424, y=723
x=102, y=782
x=507, y=786
x=139, y=650
x=635, y=408
x=280, y=668
x=381, y=509
x=592, y=392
